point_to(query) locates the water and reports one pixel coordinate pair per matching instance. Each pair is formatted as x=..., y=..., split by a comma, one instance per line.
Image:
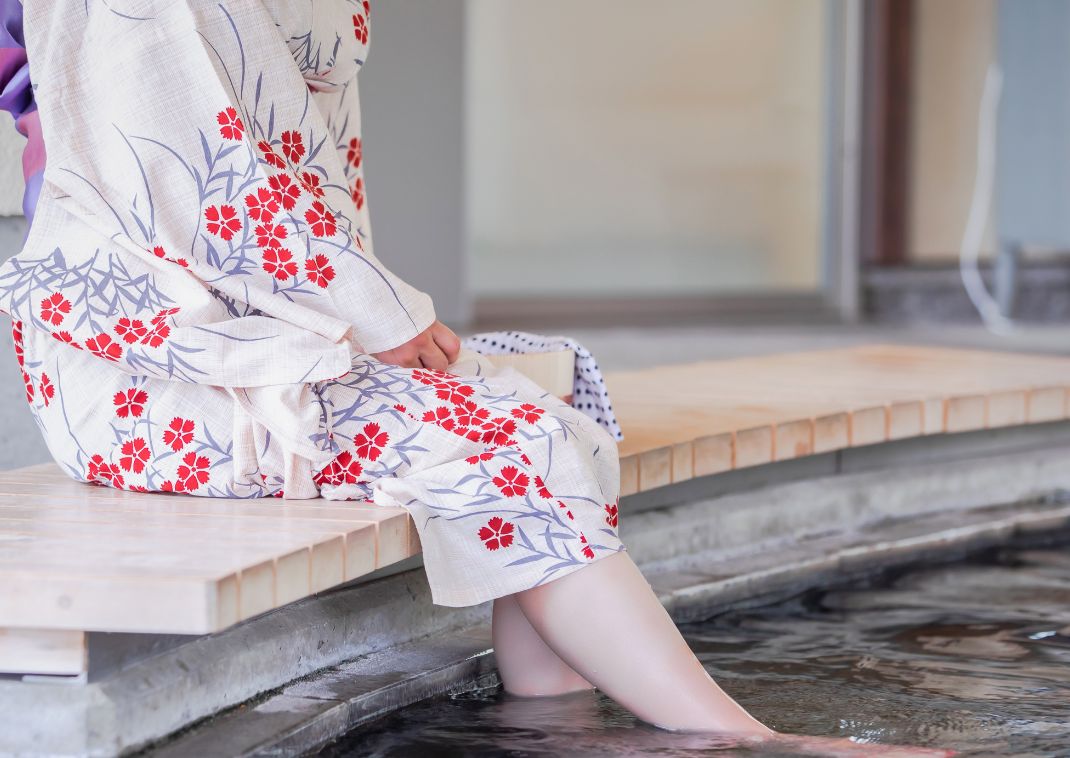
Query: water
x=973, y=656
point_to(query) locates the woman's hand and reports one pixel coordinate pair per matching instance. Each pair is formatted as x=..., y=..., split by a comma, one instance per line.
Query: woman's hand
x=435, y=347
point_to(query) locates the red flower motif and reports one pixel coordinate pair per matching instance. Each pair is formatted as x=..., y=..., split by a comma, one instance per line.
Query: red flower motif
x=525, y=459
x=319, y=270
x=159, y=252
x=344, y=469
x=134, y=455
x=529, y=413
x=497, y=431
x=360, y=28
x=170, y=486
x=27, y=380
x=355, y=152
x=543, y=491
x=453, y=390
x=160, y=332
x=263, y=204
x=567, y=511
x=16, y=337
x=511, y=481
x=311, y=183
x=98, y=470
x=179, y=433
x=193, y=471
x=370, y=441
x=62, y=337
x=230, y=125
x=54, y=308
x=441, y=416
x=279, y=263
x=47, y=389
x=270, y=235
x=287, y=189
x=611, y=514
x=497, y=533
x=321, y=220
x=470, y=414
x=399, y=407
x=367, y=8
x=164, y=314
x=474, y=459
x=588, y=552
x=293, y=146
x=357, y=193
x=431, y=375
x=270, y=156
x=131, y=330
x=222, y=220
x=130, y=402
x=104, y=346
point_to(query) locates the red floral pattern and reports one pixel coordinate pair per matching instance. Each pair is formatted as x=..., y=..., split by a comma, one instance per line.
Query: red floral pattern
x=54, y=308
x=222, y=220
x=498, y=533
x=179, y=433
x=130, y=403
x=230, y=125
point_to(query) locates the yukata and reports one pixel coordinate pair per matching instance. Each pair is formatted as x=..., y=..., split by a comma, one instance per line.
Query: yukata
x=197, y=300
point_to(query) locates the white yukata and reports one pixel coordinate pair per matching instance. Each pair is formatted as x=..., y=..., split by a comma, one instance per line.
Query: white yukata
x=197, y=299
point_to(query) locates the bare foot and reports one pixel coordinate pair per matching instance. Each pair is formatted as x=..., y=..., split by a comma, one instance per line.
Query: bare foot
x=845, y=748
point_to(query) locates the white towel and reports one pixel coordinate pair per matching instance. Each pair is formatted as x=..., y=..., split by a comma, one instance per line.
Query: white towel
x=589, y=393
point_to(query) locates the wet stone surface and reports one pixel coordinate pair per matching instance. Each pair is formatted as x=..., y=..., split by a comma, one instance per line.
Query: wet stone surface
x=972, y=656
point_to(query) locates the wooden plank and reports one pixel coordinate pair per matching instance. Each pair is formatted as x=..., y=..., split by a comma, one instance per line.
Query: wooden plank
x=793, y=439
x=868, y=426
x=713, y=454
x=966, y=413
x=683, y=461
x=655, y=468
x=1005, y=408
x=43, y=651
x=753, y=447
x=832, y=432
x=1045, y=404
x=905, y=419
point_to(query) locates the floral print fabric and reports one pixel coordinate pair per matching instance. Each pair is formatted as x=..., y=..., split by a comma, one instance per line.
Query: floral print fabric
x=197, y=298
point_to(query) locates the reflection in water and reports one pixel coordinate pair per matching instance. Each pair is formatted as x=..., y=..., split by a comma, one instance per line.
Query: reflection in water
x=972, y=656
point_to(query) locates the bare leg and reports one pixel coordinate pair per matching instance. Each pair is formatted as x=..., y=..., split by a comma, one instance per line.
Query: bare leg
x=526, y=664
x=607, y=624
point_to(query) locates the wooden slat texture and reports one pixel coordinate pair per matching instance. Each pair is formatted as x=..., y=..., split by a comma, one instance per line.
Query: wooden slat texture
x=784, y=406
x=79, y=558
x=43, y=651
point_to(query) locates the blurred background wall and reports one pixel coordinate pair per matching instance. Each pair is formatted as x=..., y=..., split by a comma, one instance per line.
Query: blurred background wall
x=628, y=148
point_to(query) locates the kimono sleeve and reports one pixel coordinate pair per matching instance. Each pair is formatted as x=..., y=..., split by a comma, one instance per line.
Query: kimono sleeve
x=188, y=131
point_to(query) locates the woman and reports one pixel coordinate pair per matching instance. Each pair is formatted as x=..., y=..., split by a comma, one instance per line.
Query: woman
x=198, y=309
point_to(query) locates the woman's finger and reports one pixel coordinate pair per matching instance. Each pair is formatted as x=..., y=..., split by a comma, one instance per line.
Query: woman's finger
x=445, y=338
x=433, y=357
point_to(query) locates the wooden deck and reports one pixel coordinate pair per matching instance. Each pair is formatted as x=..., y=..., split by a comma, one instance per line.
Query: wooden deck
x=705, y=418
x=75, y=558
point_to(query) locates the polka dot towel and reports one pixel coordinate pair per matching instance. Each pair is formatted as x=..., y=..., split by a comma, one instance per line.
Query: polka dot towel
x=589, y=394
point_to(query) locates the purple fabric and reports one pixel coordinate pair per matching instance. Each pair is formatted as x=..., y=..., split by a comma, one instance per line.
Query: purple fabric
x=16, y=97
